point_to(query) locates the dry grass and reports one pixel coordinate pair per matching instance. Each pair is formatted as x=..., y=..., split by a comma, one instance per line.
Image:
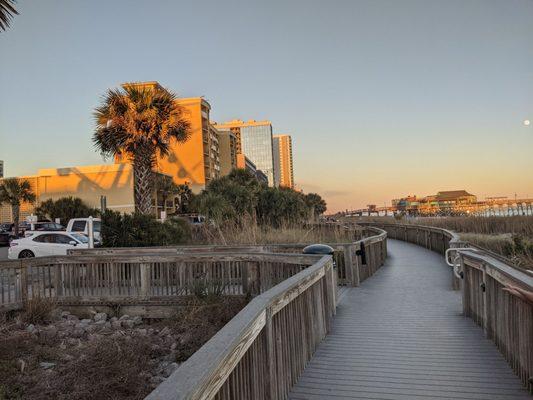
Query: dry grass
x=38, y=310
x=514, y=247
x=249, y=232
x=115, y=366
x=512, y=237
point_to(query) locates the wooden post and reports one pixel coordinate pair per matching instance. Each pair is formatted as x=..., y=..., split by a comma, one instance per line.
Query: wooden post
x=466, y=289
x=331, y=289
x=486, y=322
x=352, y=271
x=24, y=281
x=245, y=287
x=145, y=279
x=270, y=343
x=57, y=280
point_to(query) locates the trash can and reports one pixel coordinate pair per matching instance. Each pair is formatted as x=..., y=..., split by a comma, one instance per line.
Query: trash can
x=320, y=249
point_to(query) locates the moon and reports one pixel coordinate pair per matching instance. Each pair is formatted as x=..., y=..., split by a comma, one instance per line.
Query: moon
x=527, y=122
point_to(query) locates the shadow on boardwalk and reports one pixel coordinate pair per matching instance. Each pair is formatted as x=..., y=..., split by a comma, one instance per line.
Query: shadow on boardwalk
x=401, y=335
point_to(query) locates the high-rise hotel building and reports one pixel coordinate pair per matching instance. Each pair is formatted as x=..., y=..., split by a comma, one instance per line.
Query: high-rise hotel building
x=254, y=140
x=283, y=165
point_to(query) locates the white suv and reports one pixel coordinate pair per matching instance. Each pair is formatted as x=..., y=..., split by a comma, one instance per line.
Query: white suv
x=41, y=244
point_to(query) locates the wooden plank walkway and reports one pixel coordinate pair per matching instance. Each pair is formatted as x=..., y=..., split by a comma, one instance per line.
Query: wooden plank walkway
x=401, y=335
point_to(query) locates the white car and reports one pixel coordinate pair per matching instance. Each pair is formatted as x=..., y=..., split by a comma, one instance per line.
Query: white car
x=80, y=225
x=42, y=244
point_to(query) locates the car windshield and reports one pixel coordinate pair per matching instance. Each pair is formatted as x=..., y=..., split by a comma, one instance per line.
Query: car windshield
x=80, y=238
x=97, y=226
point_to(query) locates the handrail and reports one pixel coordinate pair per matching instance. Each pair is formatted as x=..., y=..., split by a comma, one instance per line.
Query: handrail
x=260, y=353
x=204, y=374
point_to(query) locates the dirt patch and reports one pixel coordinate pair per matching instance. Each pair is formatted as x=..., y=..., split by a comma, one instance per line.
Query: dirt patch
x=103, y=357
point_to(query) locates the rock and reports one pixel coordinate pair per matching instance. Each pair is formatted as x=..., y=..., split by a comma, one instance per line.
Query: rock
x=113, y=319
x=49, y=333
x=86, y=321
x=100, y=323
x=125, y=316
x=31, y=328
x=142, y=332
x=71, y=317
x=73, y=341
x=100, y=317
x=173, y=346
x=116, y=324
x=137, y=320
x=47, y=365
x=77, y=332
x=127, y=323
x=169, y=369
x=65, y=314
x=156, y=380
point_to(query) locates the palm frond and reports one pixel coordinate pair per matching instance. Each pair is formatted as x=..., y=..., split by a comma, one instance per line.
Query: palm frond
x=7, y=11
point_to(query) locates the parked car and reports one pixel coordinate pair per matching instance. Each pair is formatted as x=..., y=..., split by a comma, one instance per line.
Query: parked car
x=80, y=225
x=41, y=244
x=5, y=237
x=41, y=226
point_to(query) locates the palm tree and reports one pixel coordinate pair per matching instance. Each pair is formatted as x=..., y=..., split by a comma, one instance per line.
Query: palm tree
x=166, y=188
x=7, y=10
x=139, y=123
x=14, y=191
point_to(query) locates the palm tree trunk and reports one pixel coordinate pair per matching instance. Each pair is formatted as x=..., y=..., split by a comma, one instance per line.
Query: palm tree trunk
x=15, y=210
x=142, y=182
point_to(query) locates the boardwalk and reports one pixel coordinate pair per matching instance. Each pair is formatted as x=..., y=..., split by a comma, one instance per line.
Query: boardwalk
x=400, y=335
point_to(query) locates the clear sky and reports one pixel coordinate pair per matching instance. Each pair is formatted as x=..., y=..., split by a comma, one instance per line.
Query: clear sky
x=383, y=98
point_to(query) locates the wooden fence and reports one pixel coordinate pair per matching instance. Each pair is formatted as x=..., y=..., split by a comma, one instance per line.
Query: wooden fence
x=506, y=319
x=96, y=279
x=355, y=261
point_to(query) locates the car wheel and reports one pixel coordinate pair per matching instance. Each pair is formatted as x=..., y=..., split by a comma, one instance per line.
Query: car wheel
x=26, y=254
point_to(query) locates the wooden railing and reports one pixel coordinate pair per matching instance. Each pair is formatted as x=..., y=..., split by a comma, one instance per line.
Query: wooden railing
x=506, y=319
x=354, y=261
x=260, y=353
x=111, y=278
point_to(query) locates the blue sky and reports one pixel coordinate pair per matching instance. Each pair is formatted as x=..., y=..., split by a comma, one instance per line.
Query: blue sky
x=383, y=98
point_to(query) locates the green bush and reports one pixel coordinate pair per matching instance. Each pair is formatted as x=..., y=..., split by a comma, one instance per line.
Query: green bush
x=140, y=230
x=65, y=208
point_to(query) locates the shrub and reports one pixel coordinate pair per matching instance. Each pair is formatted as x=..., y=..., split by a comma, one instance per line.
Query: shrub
x=38, y=310
x=140, y=230
x=65, y=209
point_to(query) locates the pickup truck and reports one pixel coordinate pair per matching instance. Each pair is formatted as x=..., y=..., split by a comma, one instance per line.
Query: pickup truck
x=79, y=225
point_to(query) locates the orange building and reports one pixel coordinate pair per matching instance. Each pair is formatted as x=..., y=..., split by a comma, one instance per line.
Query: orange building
x=283, y=165
x=196, y=161
x=227, y=146
x=89, y=183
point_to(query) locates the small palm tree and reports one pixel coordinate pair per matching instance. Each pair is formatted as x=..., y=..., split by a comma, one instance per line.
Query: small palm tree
x=139, y=123
x=166, y=188
x=15, y=191
x=184, y=196
x=7, y=11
